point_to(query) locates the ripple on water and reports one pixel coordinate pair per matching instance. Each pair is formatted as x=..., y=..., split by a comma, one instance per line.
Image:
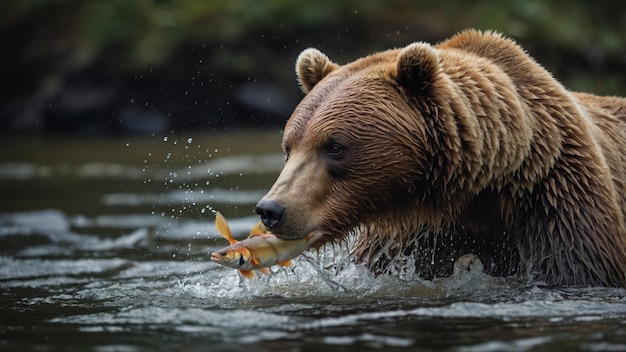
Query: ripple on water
x=12, y=269
x=100, y=284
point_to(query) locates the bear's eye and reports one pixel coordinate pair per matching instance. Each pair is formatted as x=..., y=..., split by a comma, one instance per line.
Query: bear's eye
x=286, y=153
x=334, y=151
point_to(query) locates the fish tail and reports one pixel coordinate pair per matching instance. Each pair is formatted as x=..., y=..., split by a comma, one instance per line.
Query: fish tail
x=313, y=237
x=222, y=228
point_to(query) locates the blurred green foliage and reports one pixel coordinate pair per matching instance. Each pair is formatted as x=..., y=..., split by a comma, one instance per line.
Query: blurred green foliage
x=147, y=31
x=582, y=42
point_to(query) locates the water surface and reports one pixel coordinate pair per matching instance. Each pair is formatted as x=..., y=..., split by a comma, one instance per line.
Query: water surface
x=104, y=246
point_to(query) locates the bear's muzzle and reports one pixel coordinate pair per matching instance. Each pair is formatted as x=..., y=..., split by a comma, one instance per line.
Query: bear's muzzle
x=271, y=213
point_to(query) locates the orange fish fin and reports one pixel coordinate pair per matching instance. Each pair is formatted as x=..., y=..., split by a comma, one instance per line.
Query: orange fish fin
x=222, y=228
x=286, y=263
x=255, y=261
x=257, y=230
x=249, y=274
x=265, y=271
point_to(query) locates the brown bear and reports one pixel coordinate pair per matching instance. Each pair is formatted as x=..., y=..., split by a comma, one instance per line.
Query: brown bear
x=469, y=146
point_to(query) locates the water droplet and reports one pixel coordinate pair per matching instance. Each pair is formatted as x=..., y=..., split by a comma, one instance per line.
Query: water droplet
x=189, y=140
x=165, y=139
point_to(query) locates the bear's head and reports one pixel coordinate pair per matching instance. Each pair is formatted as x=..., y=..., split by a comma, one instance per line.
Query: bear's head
x=430, y=153
x=356, y=147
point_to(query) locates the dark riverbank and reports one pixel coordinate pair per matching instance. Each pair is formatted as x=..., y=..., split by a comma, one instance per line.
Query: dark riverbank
x=117, y=67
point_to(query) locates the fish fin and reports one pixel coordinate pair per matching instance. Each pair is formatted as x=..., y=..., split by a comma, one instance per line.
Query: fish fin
x=265, y=271
x=286, y=263
x=255, y=261
x=222, y=228
x=249, y=274
x=257, y=230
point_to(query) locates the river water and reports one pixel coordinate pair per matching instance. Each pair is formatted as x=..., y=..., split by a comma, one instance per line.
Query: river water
x=104, y=246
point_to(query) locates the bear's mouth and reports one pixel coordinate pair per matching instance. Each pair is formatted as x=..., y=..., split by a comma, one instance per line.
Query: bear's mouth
x=297, y=234
x=324, y=235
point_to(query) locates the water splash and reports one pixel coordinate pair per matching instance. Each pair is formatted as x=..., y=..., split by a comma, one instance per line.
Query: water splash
x=330, y=272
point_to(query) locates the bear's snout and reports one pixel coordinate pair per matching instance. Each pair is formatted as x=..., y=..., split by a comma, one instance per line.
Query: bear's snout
x=271, y=212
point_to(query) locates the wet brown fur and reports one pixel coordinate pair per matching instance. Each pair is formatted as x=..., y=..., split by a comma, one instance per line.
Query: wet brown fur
x=468, y=146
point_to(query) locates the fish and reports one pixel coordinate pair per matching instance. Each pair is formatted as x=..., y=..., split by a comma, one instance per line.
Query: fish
x=260, y=251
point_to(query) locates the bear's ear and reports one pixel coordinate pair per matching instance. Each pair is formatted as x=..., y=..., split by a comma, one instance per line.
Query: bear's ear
x=311, y=67
x=417, y=67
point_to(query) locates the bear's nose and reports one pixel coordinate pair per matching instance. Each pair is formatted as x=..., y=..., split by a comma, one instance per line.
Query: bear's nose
x=271, y=212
